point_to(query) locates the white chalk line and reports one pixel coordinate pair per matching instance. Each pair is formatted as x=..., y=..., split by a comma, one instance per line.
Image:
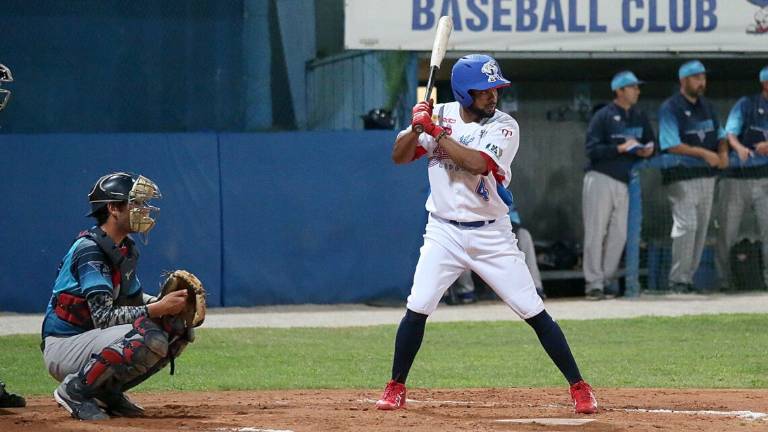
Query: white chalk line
x=251, y=429
x=746, y=415
x=548, y=421
x=445, y=402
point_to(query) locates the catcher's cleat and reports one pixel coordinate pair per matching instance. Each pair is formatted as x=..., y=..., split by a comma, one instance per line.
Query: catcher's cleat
x=584, y=401
x=118, y=404
x=393, y=397
x=72, y=395
x=10, y=400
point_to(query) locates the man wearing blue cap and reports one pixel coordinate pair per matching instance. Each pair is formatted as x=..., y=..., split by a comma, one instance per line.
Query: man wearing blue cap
x=745, y=187
x=470, y=146
x=618, y=135
x=688, y=125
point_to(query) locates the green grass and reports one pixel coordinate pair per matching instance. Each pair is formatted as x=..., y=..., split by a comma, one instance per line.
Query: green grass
x=713, y=351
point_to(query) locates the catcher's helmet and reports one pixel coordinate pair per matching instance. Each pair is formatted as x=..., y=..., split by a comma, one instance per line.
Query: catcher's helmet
x=475, y=72
x=136, y=190
x=113, y=187
x=5, y=76
x=121, y=186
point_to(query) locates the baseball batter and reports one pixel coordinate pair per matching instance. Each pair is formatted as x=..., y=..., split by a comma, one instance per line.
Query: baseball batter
x=470, y=150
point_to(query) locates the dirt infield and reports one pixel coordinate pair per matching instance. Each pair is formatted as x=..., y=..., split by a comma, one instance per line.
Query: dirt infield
x=428, y=410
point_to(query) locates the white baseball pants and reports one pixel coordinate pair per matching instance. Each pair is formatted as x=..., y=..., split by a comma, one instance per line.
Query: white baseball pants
x=490, y=251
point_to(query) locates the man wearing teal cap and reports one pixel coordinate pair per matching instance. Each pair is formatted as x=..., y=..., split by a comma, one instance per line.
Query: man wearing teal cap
x=688, y=125
x=745, y=187
x=618, y=136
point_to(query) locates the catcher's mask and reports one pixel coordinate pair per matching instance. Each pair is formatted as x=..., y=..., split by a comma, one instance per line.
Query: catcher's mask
x=5, y=76
x=134, y=189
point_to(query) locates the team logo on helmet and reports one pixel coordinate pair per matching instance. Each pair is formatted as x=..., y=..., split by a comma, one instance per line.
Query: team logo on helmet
x=491, y=70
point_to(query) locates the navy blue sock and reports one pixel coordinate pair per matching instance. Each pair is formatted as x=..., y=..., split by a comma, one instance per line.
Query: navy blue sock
x=554, y=343
x=407, y=344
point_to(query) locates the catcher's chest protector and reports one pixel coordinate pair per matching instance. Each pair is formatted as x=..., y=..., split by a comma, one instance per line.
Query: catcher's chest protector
x=123, y=259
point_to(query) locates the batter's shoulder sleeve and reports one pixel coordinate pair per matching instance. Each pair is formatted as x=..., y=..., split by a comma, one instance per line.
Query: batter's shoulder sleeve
x=669, y=128
x=735, y=123
x=421, y=149
x=500, y=145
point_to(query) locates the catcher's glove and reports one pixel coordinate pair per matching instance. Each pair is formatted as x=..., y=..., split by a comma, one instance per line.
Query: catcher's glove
x=193, y=313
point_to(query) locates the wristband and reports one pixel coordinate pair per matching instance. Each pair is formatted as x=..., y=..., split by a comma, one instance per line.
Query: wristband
x=442, y=134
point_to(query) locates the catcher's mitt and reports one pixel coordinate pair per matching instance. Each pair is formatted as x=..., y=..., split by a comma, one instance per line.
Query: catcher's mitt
x=194, y=311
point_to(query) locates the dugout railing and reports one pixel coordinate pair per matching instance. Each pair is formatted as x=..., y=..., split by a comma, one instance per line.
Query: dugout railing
x=633, y=268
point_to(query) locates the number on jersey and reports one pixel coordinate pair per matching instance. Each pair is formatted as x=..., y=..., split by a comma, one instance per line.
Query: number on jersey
x=481, y=189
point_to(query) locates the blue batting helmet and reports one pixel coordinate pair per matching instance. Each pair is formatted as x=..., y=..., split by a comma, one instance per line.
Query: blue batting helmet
x=475, y=72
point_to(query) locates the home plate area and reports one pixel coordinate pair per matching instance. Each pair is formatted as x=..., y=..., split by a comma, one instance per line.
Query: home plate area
x=441, y=410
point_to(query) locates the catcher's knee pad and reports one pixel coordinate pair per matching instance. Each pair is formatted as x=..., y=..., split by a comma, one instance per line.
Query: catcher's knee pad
x=140, y=349
x=152, y=335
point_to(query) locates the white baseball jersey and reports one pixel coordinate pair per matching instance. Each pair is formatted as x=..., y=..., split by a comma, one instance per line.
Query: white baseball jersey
x=457, y=194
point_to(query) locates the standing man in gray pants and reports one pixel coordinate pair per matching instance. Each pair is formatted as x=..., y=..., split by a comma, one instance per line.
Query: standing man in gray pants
x=744, y=187
x=618, y=135
x=688, y=126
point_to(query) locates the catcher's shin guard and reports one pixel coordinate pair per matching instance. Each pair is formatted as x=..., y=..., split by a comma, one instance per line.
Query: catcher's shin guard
x=132, y=357
x=175, y=348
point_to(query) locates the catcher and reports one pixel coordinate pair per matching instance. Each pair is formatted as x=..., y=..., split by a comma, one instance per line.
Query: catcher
x=102, y=335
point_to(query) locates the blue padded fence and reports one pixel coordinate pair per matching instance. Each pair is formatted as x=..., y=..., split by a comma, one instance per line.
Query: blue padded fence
x=262, y=218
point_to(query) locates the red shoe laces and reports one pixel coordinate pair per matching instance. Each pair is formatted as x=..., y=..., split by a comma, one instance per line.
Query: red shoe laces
x=391, y=391
x=582, y=393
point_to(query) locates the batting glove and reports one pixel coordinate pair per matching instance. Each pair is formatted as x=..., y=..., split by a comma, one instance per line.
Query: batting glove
x=423, y=106
x=423, y=119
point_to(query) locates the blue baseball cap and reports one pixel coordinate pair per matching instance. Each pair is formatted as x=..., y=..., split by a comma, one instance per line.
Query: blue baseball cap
x=764, y=74
x=624, y=79
x=693, y=67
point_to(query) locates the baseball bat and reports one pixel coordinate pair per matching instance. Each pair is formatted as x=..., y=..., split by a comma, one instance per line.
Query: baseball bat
x=444, y=27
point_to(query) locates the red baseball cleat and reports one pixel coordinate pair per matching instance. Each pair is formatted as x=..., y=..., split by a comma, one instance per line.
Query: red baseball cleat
x=393, y=397
x=584, y=401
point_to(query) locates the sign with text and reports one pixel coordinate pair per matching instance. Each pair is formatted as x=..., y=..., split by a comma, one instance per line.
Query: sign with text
x=561, y=25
